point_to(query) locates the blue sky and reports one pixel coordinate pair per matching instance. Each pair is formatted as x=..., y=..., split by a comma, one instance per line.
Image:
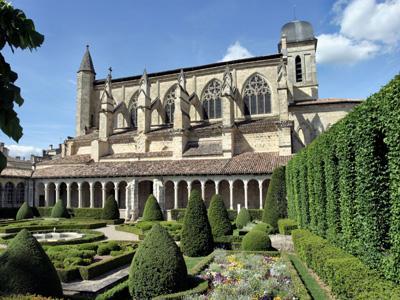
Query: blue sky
x=358, y=47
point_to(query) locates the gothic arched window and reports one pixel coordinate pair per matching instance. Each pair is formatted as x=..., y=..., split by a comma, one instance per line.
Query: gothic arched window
x=20, y=193
x=211, y=100
x=257, y=96
x=169, y=104
x=9, y=192
x=299, y=73
x=133, y=110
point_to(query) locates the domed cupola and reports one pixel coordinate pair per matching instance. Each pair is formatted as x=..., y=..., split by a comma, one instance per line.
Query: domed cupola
x=297, y=31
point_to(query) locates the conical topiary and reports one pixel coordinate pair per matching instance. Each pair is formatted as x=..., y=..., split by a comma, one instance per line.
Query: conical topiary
x=152, y=210
x=26, y=269
x=24, y=212
x=158, y=267
x=218, y=217
x=243, y=218
x=59, y=210
x=196, y=236
x=110, y=210
x=275, y=206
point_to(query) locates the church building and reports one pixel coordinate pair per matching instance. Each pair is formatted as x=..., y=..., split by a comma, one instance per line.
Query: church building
x=219, y=128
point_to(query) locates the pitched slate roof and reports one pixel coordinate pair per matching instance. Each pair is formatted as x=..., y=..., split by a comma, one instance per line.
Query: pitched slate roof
x=246, y=163
x=325, y=101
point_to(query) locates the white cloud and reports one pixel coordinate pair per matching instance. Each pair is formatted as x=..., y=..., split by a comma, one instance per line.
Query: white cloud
x=236, y=51
x=336, y=48
x=366, y=28
x=23, y=151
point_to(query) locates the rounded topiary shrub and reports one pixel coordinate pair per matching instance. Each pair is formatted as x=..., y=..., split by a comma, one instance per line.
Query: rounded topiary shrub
x=158, y=266
x=152, y=210
x=256, y=240
x=218, y=217
x=243, y=218
x=24, y=212
x=26, y=269
x=110, y=210
x=275, y=206
x=59, y=210
x=196, y=236
x=264, y=227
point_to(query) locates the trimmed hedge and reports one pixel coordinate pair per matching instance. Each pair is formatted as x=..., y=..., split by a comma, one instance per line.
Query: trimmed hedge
x=120, y=291
x=24, y=212
x=243, y=218
x=256, y=240
x=196, y=236
x=275, y=206
x=77, y=225
x=347, y=276
x=83, y=213
x=110, y=209
x=352, y=177
x=286, y=226
x=59, y=210
x=264, y=227
x=218, y=217
x=152, y=210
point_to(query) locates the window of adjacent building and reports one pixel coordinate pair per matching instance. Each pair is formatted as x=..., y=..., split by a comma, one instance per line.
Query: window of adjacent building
x=212, y=100
x=133, y=110
x=9, y=192
x=257, y=96
x=299, y=73
x=169, y=105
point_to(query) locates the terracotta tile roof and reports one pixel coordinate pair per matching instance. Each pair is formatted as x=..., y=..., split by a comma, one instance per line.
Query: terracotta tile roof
x=68, y=160
x=323, y=101
x=247, y=163
x=15, y=172
x=203, y=149
x=261, y=125
x=139, y=155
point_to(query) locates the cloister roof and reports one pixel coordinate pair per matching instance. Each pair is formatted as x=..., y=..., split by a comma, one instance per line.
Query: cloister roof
x=16, y=172
x=246, y=163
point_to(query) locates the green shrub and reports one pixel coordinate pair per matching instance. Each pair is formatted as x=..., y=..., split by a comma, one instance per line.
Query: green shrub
x=26, y=269
x=59, y=210
x=218, y=217
x=275, y=206
x=243, y=218
x=152, y=210
x=196, y=236
x=107, y=247
x=286, y=226
x=158, y=266
x=256, y=240
x=110, y=210
x=24, y=212
x=264, y=227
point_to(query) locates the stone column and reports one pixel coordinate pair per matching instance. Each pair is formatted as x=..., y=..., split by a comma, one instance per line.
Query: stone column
x=134, y=189
x=203, y=189
x=260, y=183
x=231, y=194
x=57, y=185
x=246, y=200
x=103, y=194
x=91, y=193
x=79, y=194
x=158, y=190
x=68, y=194
x=217, y=187
x=46, y=194
x=127, y=201
x=176, y=186
x=116, y=186
x=189, y=187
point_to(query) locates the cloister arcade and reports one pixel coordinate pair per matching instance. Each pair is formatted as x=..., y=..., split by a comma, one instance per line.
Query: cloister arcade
x=13, y=192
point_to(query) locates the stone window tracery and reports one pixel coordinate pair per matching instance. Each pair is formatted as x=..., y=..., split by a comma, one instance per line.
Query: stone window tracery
x=257, y=96
x=212, y=100
x=169, y=105
x=133, y=110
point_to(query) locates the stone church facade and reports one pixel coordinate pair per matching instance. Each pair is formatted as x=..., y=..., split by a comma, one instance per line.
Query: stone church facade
x=220, y=128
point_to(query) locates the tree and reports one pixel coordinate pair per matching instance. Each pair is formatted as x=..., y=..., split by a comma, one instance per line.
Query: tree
x=26, y=269
x=152, y=210
x=243, y=218
x=17, y=31
x=110, y=210
x=196, y=237
x=24, y=212
x=158, y=267
x=275, y=206
x=218, y=217
x=59, y=210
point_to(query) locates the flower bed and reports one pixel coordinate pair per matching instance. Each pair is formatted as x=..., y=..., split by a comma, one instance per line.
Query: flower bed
x=247, y=276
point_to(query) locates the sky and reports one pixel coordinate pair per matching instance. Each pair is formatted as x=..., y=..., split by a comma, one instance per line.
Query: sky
x=357, y=53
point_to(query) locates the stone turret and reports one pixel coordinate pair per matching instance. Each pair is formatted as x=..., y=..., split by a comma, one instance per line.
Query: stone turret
x=85, y=79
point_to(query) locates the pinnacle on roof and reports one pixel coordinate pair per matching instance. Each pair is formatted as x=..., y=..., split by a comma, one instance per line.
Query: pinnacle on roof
x=87, y=63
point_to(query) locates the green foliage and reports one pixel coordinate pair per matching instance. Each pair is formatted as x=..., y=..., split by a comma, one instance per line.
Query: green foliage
x=24, y=212
x=152, y=210
x=110, y=210
x=59, y=210
x=158, y=266
x=107, y=247
x=347, y=276
x=17, y=31
x=275, y=206
x=218, y=217
x=264, y=227
x=26, y=269
x=243, y=218
x=196, y=237
x=256, y=240
x=286, y=226
x=352, y=179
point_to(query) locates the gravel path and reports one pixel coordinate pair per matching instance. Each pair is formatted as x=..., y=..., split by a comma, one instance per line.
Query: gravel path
x=282, y=242
x=112, y=234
